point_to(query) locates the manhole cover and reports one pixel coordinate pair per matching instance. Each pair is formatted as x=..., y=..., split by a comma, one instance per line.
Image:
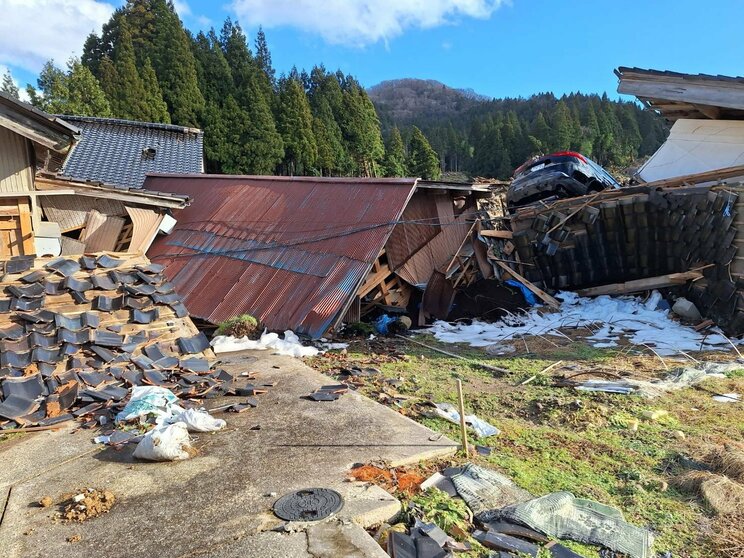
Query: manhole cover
x=309, y=504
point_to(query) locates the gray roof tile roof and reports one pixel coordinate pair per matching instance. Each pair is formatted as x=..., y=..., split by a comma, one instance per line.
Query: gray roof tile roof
x=112, y=151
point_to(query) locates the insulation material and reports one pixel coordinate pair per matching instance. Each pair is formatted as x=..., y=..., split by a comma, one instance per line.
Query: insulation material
x=71, y=211
x=101, y=232
x=612, y=318
x=695, y=146
x=146, y=223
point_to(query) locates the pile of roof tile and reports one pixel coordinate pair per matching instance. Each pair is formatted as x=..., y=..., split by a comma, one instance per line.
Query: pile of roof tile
x=76, y=334
x=634, y=233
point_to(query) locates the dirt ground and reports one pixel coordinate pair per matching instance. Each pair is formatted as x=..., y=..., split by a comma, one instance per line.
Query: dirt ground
x=596, y=445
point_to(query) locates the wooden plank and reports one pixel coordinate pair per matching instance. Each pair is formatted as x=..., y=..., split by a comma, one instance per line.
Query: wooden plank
x=549, y=300
x=145, y=225
x=101, y=231
x=639, y=285
x=496, y=234
x=27, y=229
x=373, y=281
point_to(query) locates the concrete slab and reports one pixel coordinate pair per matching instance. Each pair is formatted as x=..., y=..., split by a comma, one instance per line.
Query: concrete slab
x=219, y=503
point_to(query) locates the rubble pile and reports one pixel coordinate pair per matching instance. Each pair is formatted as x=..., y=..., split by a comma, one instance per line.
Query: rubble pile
x=77, y=333
x=632, y=234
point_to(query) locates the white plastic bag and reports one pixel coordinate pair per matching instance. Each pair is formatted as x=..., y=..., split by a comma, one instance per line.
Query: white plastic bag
x=147, y=400
x=482, y=428
x=199, y=420
x=167, y=443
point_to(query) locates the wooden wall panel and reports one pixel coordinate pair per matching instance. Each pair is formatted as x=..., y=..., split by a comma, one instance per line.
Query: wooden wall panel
x=16, y=169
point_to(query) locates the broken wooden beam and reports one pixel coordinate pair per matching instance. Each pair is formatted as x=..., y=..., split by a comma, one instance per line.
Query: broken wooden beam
x=496, y=234
x=638, y=285
x=545, y=297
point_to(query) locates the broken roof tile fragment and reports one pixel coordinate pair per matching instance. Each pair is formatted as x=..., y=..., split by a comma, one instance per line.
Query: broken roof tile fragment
x=107, y=262
x=108, y=303
x=18, y=264
x=193, y=345
x=26, y=304
x=13, y=331
x=107, y=338
x=88, y=262
x=79, y=285
x=63, y=266
x=35, y=276
x=103, y=281
x=145, y=316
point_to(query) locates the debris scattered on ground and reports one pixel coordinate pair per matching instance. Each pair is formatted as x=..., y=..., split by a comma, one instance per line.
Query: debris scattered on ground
x=74, y=538
x=81, y=331
x=329, y=393
x=289, y=346
x=165, y=443
x=85, y=504
x=611, y=318
x=727, y=398
x=449, y=412
x=654, y=415
x=153, y=418
x=395, y=479
x=46, y=501
x=563, y=516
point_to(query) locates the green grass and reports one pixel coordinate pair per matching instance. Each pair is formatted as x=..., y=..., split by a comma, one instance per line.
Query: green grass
x=559, y=439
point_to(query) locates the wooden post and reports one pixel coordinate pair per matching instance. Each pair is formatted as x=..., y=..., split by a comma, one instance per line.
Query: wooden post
x=463, y=426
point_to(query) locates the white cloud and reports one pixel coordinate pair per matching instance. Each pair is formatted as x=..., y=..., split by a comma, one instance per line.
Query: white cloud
x=33, y=31
x=182, y=8
x=360, y=22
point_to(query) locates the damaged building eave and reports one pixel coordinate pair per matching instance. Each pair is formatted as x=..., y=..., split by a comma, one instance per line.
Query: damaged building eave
x=676, y=95
x=46, y=130
x=137, y=196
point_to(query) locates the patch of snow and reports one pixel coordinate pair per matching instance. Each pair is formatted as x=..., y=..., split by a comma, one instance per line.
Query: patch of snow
x=641, y=322
x=289, y=346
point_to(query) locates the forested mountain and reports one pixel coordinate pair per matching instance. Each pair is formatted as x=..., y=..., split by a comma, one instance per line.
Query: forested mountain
x=144, y=65
x=492, y=137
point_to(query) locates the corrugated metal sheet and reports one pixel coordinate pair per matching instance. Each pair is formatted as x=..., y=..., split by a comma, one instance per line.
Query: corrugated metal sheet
x=290, y=251
x=436, y=253
x=420, y=223
x=71, y=211
x=16, y=174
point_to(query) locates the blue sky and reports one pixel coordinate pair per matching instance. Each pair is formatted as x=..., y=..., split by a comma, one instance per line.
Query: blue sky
x=495, y=47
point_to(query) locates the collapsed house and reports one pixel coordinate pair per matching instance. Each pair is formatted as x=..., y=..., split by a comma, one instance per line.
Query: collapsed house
x=84, y=315
x=678, y=229
x=310, y=253
x=74, y=188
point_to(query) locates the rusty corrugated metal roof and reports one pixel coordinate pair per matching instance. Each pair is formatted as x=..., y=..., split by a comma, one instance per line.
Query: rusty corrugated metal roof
x=290, y=251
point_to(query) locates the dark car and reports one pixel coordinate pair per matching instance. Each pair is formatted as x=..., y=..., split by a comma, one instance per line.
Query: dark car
x=566, y=174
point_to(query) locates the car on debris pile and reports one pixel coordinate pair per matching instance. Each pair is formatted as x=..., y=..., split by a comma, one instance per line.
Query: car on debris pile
x=565, y=174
